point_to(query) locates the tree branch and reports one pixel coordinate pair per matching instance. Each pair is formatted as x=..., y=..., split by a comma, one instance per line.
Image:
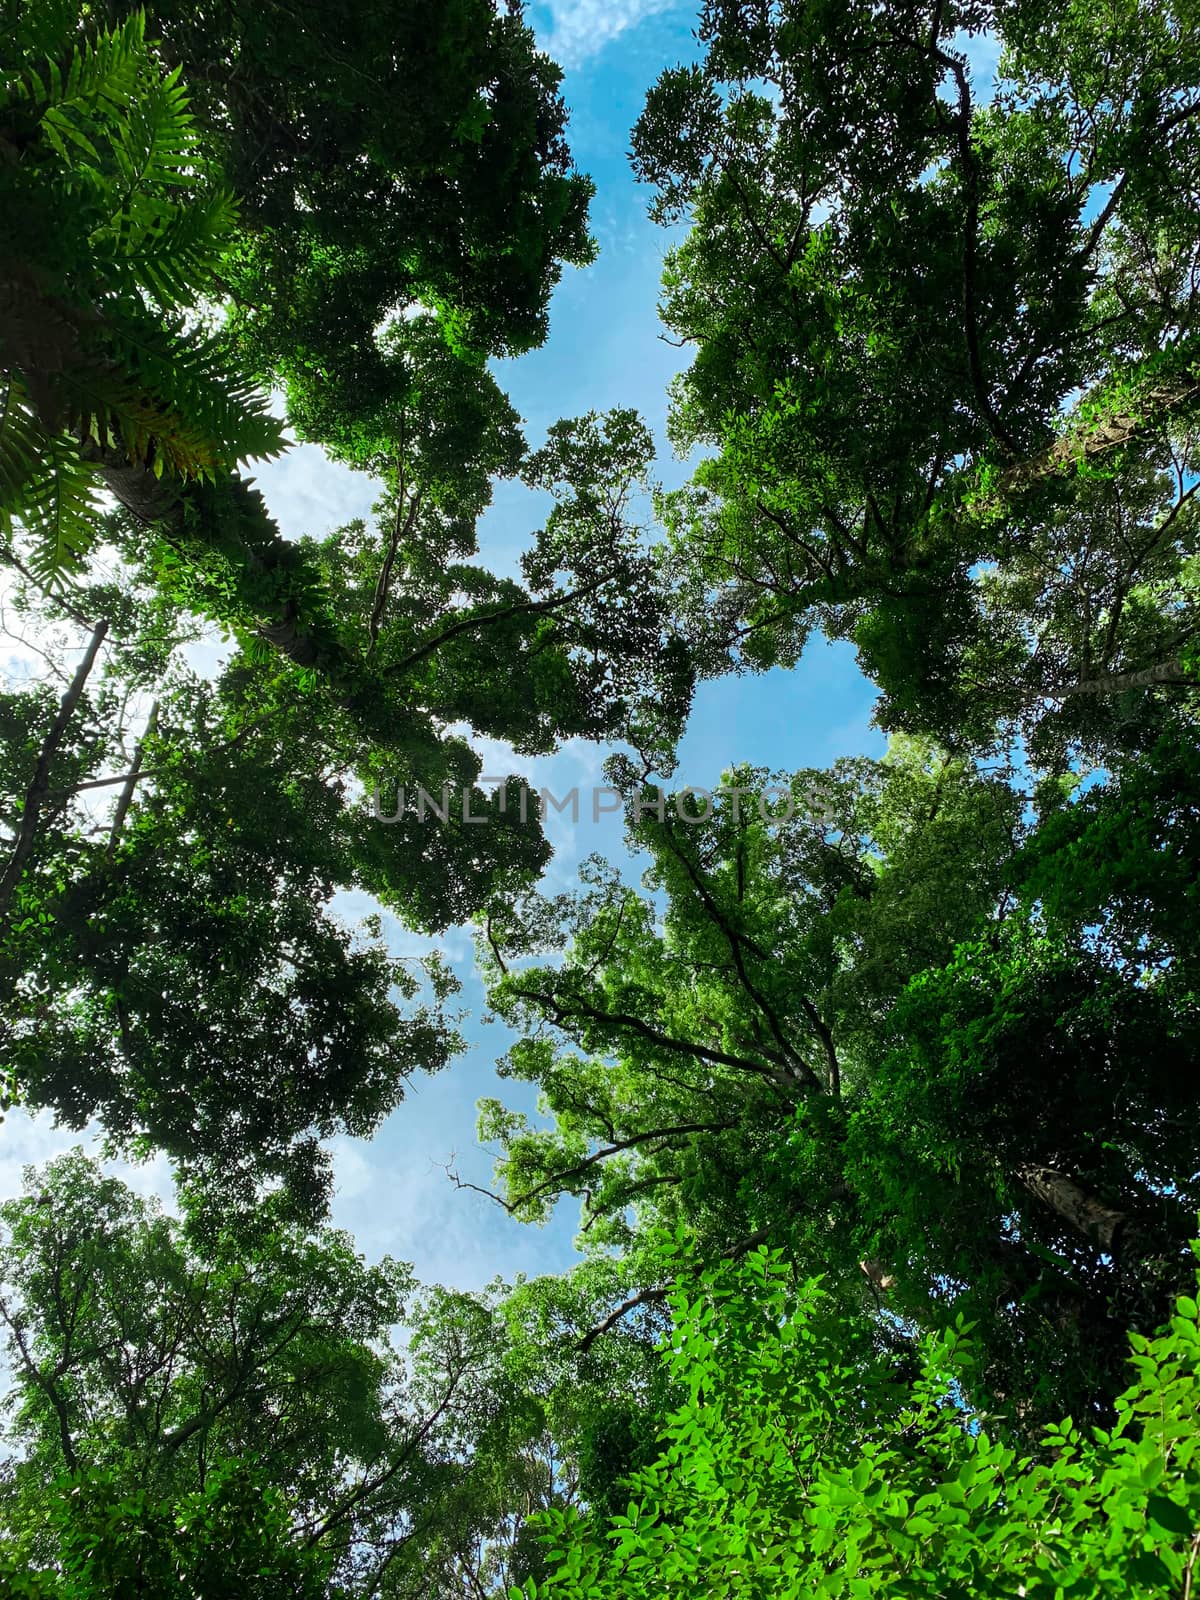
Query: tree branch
x=970, y=175
x=1164, y=672
x=39, y=787
x=125, y=799
x=621, y=1019
x=735, y=940
x=486, y=618
x=558, y=1180
x=400, y=531
x=48, y=1388
x=655, y=1295
x=1110, y=433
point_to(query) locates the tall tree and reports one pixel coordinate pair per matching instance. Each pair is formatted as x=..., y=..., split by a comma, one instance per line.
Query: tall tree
x=343, y=217
x=170, y=961
x=871, y=1037
x=945, y=355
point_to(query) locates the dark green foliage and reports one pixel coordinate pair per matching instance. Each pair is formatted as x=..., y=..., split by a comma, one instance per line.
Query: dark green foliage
x=382, y=156
x=176, y=970
x=181, y=978
x=231, y=1540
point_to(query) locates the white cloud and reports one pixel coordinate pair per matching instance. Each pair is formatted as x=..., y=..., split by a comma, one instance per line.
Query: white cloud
x=307, y=493
x=353, y=1174
x=581, y=28
x=32, y=1139
x=410, y=1209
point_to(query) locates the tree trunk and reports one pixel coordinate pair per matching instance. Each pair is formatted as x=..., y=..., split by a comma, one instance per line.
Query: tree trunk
x=229, y=515
x=1165, y=672
x=1081, y=1210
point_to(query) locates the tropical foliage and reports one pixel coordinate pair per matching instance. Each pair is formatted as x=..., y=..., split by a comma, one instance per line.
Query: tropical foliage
x=878, y=1091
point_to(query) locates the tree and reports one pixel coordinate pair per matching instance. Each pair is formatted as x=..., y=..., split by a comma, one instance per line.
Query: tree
x=170, y=960
x=359, y=654
x=149, y=1354
x=148, y=1347
x=223, y=1397
x=944, y=357
x=233, y=1538
x=174, y=971
x=523, y=1449
x=413, y=154
x=117, y=184
x=860, y=1036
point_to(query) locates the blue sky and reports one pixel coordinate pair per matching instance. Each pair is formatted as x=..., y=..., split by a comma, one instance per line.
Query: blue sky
x=604, y=350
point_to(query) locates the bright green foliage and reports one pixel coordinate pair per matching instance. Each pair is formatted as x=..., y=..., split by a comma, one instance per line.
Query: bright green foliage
x=793, y=1469
x=945, y=353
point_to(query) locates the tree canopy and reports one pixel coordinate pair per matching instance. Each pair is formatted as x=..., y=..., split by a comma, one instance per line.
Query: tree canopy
x=877, y=1092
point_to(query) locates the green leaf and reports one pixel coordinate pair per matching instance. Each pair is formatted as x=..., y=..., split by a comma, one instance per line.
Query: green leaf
x=1167, y=1514
x=1151, y=1570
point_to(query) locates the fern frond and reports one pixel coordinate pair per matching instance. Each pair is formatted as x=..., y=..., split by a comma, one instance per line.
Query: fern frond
x=60, y=131
x=106, y=69
x=156, y=146
x=101, y=71
x=215, y=405
x=169, y=400
x=59, y=511
x=124, y=162
x=23, y=443
x=80, y=109
x=176, y=260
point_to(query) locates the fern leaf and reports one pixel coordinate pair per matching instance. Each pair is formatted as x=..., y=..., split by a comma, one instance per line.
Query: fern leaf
x=23, y=443
x=177, y=261
x=156, y=145
x=103, y=69
x=222, y=418
x=59, y=511
x=171, y=402
x=107, y=67
x=59, y=129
